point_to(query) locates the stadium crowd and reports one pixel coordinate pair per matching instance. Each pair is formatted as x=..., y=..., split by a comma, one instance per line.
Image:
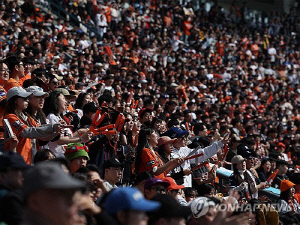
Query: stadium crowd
x=130, y=124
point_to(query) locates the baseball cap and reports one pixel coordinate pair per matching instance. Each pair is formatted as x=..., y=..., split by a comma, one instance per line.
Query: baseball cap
x=170, y=208
x=12, y=160
x=112, y=162
x=17, y=91
x=173, y=184
x=200, y=206
x=280, y=144
x=237, y=159
x=285, y=185
x=152, y=181
x=37, y=91
x=174, y=85
x=128, y=198
x=164, y=140
x=48, y=175
x=245, y=151
x=75, y=150
x=66, y=93
x=175, y=132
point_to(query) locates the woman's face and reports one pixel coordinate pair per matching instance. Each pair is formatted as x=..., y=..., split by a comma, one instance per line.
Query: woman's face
x=241, y=166
x=62, y=103
x=87, y=99
x=267, y=167
x=4, y=72
x=22, y=103
x=129, y=123
x=37, y=102
x=153, y=139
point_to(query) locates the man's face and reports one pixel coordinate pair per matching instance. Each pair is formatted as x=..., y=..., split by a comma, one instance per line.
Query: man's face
x=114, y=174
x=13, y=178
x=57, y=206
x=78, y=163
x=155, y=190
x=134, y=217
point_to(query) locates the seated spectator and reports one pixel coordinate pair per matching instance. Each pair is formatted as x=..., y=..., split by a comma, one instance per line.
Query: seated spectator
x=77, y=156
x=155, y=186
x=43, y=155
x=112, y=170
x=264, y=170
x=47, y=190
x=190, y=194
x=287, y=202
x=131, y=206
x=282, y=167
x=242, y=179
x=140, y=181
x=170, y=211
x=12, y=166
x=175, y=190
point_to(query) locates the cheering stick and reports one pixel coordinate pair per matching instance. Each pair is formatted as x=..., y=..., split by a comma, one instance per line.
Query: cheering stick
x=200, y=165
x=194, y=156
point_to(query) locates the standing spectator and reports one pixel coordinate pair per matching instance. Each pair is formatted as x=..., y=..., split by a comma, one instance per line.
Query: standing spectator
x=16, y=68
x=24, y=126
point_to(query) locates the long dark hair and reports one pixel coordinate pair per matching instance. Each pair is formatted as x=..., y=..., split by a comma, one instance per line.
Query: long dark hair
x=142, y=143
x=51, y=103
x=79, y=100
x=40, y=115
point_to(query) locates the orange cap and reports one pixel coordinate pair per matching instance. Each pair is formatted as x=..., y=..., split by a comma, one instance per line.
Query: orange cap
x=285, y=185
x=173, y=184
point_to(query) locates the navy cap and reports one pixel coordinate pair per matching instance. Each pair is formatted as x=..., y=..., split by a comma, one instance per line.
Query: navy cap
x=128, y=198
x=112, y=162
x=175, y=132
x=12, y=160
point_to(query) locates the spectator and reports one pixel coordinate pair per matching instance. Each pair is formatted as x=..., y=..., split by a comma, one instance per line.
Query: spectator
x=77, y=156
x=17, y=99
x=155, y=186
x=131, y=207
x=48, y=183
x=16, y=68
x=112, y=173
x=12, y=166
x=286, y=201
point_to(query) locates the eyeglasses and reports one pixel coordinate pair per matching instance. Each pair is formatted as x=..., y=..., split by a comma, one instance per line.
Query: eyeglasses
x=160, y=190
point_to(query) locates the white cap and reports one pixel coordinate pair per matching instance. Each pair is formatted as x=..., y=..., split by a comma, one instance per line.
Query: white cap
x=37, y=91
x=200, y=206
x=17, y=91
x=174, y=85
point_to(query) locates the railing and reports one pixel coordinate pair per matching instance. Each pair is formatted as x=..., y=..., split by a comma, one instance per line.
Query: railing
x=224, y=174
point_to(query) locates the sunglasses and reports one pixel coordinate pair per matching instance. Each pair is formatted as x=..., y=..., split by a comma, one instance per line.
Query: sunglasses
x=160, y=190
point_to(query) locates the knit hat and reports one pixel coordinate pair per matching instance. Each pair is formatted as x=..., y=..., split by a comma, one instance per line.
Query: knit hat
x=75, y=150
x=285, y=185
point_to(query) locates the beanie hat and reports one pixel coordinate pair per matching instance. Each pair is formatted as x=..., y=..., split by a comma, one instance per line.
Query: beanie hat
x=75, y=150
x=285, y=185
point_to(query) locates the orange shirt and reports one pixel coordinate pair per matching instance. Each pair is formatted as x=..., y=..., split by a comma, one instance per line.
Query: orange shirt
x=2, y=110
x=11, y=83
x=27, y=77
x=18, y=126
x=149, y=161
